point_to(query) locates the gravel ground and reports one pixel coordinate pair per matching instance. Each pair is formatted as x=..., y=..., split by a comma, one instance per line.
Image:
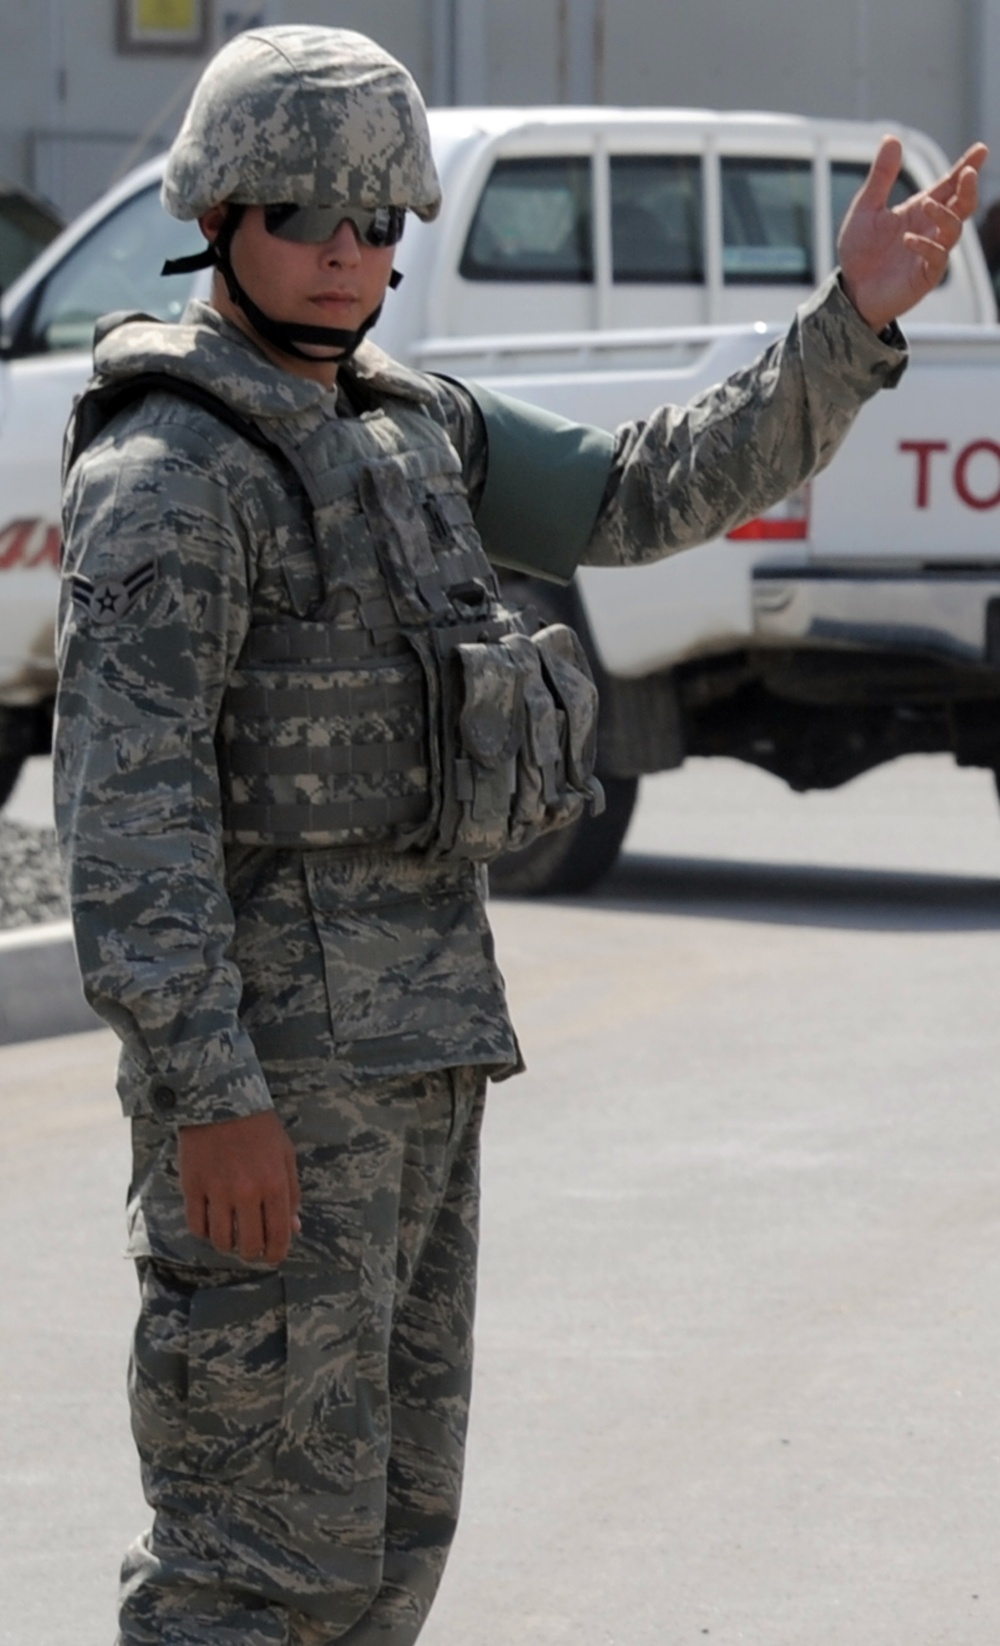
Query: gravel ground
x=31, y=880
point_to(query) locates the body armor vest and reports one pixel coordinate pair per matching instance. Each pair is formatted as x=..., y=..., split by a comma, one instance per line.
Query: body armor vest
x=399, y=704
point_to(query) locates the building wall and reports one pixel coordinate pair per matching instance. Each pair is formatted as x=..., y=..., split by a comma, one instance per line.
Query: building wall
x=849, y=59
x=76, y=111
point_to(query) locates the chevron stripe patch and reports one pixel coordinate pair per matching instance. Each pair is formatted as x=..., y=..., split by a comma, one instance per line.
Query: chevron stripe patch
x=111, y=598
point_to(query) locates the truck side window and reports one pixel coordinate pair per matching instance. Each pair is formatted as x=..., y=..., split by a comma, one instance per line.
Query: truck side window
x=116, y=267
x=533, y=222
x=656, y=219
x=767, y=222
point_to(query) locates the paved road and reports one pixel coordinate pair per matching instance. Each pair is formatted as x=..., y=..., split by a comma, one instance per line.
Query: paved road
x=740, y=1316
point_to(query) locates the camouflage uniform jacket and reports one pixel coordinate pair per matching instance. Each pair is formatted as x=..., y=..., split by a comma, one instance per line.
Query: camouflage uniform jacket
x=179, y=535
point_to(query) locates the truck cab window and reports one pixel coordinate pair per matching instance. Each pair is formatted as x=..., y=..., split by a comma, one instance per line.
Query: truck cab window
x=656, y=219
x=767, y=222
x=533, y=222
x=116, y=267
x=26, y=227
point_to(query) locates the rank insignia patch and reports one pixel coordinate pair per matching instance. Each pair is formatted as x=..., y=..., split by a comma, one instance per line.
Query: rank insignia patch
x=110, y=597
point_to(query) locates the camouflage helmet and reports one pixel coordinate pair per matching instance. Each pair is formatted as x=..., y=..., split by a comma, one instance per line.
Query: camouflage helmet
x=308, y=115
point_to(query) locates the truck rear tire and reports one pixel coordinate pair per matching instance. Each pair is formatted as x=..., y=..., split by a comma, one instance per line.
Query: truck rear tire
x=23, y=732
x=572, y=859
x=10, y=771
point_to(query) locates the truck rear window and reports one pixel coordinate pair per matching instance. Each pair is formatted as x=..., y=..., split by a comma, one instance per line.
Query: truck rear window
x=533, y=222
x=656, y=219
x=767, y=221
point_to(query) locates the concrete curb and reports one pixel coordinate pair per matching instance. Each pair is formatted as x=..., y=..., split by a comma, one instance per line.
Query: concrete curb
x=40, y=993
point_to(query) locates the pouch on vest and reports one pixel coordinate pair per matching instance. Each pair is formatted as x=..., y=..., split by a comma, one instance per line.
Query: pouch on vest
x=518, y=733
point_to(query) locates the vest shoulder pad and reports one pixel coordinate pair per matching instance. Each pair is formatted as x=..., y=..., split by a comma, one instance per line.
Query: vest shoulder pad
x=378, y=373
x=104, y=397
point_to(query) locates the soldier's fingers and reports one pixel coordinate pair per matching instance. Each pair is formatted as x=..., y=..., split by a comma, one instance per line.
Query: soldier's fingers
x=220, y=1224
x=196, y=1215
x=966, y=196
x=294, y=1192
x=276, y=1230
x=963, y=199
x=877, y=186
x=931, y=253
x=971, y=161
x=251, y=1237
x=938, y=222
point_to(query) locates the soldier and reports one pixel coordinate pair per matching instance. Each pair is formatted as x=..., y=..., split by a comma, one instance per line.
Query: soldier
x=295, y=723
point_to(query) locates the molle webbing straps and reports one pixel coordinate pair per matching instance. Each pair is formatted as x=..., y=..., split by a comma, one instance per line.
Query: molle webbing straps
x=357, y=822
x=371, y=782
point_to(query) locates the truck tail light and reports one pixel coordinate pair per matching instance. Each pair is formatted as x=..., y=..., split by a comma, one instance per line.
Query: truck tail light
x=786, y=522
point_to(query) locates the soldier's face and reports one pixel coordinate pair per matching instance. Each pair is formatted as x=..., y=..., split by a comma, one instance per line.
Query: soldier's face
x=339, y=282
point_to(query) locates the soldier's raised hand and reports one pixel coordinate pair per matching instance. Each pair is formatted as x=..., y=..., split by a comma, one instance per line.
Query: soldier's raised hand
x=891, y=257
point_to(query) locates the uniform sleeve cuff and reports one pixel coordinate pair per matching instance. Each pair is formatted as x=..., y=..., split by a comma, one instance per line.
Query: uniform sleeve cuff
x=201, y=1091
x=891, y=336
x=880, y=357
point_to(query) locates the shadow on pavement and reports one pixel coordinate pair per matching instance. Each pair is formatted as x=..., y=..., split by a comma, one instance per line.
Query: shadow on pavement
x=786, y=894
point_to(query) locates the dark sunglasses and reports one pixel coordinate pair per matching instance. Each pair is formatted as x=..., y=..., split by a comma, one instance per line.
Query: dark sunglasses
x=312, y=225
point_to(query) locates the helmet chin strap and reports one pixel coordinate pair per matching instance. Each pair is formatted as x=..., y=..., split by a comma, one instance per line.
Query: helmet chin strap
x=285, y=335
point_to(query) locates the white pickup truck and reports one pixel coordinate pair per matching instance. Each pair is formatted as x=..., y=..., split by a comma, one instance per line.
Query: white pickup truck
x=599, y=262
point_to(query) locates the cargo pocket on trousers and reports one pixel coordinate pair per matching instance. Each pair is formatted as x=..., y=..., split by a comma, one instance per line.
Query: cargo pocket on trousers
x=320, y=1436
x=253, y=1381
x=157, y=1373
x=236, y=1362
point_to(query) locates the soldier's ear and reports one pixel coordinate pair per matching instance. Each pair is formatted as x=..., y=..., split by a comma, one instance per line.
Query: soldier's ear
x=211, y=221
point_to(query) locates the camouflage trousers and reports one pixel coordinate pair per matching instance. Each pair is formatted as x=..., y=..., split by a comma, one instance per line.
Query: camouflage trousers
x=301, y=1430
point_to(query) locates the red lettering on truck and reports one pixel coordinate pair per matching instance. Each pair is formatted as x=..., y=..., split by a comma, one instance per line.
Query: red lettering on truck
x=29, y=543
x=975, y=500
x=983, y=493
x=924, y=449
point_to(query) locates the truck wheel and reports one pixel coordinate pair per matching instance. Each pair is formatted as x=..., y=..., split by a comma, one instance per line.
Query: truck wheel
x=23, y=732
x=571, y=859
x=10, y=771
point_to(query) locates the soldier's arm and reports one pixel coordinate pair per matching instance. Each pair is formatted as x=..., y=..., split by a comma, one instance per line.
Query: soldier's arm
x=150, y=618
x=690, y=474
x=549, y=495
